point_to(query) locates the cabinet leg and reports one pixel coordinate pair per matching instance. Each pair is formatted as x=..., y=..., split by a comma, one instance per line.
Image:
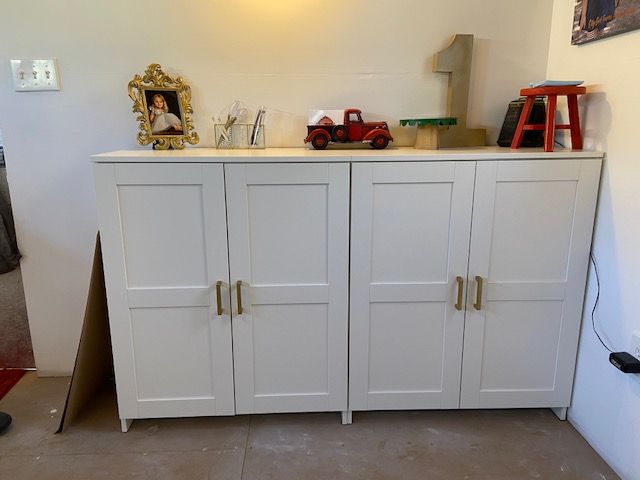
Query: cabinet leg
x=347, y=417
x=561, y=412
x=125, y=423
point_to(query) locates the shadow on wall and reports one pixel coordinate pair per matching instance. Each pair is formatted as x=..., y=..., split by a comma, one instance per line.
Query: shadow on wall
x=595, y=380
x=596, y=120
x=608, y=270
x=282, y=126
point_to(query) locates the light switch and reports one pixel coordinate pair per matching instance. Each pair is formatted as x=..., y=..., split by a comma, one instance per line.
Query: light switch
x=35, y=75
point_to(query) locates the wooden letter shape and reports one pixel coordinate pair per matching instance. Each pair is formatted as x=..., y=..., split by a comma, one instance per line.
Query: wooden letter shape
x=456, y=61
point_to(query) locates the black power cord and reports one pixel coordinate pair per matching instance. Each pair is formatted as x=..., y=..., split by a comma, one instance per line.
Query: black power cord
x=595, y=304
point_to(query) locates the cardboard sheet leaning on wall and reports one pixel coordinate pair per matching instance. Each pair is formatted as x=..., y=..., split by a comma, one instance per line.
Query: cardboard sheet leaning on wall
x=94, y=361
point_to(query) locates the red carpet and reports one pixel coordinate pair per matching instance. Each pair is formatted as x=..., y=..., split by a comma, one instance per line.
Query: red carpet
x=8, y=378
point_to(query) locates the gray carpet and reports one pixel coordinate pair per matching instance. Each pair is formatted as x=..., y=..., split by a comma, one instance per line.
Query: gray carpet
x=15, y=341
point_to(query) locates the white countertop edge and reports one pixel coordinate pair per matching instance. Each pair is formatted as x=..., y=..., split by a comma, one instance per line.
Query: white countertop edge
x=212, y=155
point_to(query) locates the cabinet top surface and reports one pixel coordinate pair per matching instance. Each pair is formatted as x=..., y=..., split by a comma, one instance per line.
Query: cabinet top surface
x=212, y=155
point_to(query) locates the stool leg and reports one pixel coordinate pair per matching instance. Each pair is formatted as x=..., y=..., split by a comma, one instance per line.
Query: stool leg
x=524, y=117
x=550, y=124
x=574, y=121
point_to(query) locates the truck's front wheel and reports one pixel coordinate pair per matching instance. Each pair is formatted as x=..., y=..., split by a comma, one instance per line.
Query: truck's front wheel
x=320, y=142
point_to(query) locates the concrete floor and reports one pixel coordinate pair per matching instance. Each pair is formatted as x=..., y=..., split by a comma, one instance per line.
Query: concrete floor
x=427, y=445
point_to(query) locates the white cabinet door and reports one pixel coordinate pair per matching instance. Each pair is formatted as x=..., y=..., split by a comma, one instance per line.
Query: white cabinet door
x=164, y=242
x=288, y=244
x=410, y=226
x=532, y=223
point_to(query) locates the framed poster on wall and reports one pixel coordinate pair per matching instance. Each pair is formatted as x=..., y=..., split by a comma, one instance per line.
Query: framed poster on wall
x=596, y=19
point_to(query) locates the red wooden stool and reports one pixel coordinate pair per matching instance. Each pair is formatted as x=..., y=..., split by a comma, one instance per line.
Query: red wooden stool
x=550, y=125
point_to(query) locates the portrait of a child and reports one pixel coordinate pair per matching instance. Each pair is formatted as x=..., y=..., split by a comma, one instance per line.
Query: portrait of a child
x=164, y=113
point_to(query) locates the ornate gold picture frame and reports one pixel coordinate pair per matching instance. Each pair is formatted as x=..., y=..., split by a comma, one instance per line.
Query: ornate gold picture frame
x=163, y=105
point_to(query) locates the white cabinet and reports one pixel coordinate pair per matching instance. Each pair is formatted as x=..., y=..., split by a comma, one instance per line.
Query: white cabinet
x=409, y=244
x=177, y=311
x=527, y=249
x=164, y=243
x=530, y=244
x=311, y=282
x=288, y=251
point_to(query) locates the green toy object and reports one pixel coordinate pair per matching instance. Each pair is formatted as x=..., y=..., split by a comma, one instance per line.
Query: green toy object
x=427, y=135
x=422, y=122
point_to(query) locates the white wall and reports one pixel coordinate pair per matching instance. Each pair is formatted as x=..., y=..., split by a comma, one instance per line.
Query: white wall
x=606, y=403
x=291, y=55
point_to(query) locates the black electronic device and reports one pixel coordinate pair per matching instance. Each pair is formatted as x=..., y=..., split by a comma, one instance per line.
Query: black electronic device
x=625, y=362
x=531, y=138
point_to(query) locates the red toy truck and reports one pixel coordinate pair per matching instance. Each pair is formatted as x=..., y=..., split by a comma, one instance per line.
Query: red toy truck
x=353, y=129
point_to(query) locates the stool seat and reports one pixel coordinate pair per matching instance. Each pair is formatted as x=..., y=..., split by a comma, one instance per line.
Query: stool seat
x=541, y=91
x=549, y=127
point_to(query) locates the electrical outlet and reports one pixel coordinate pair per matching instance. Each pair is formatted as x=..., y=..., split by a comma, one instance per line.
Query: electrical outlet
x=35, y=75
x=635, y=345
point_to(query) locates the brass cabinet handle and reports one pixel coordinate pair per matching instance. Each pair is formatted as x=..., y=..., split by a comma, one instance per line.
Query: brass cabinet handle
x=239, y=296
x=460, y=282
x=478, y=304
x=219, y=309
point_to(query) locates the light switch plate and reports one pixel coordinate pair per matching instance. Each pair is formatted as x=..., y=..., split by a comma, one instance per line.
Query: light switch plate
x=35, y=75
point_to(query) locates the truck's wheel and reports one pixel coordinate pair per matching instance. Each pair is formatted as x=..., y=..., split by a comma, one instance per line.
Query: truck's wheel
x=380, y=142
x=339, y=133
x=320, y=142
